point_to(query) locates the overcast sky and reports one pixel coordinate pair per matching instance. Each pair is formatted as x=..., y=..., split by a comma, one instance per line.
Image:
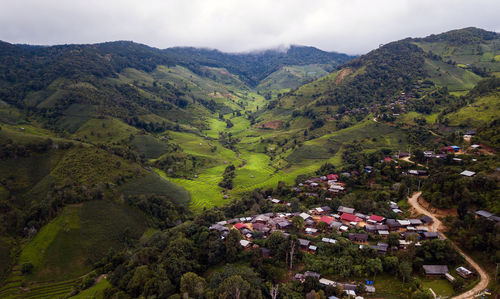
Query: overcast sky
x=349, y=26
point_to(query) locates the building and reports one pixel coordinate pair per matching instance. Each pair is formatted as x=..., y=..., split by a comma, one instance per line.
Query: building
x=342, y=209
x=435, y=270
x=468, y=173
x=358, y=237
x=464, y=272
x=350, y=218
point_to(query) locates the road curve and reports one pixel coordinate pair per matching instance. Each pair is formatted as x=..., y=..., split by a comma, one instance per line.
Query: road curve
x=437, y=226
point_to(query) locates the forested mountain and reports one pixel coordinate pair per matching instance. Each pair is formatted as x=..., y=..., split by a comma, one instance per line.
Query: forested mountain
x=125, y=160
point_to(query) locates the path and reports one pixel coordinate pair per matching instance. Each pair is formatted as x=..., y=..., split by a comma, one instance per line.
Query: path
x=407, y=159
x=437, y=226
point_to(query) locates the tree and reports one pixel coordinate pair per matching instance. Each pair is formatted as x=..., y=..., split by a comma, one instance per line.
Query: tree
x=233, y=245
x=404, y=271
x=192, y=285
x=274, y=241
x=374, y=266
x=393, y=239
x=297, y=222
x=233, y=287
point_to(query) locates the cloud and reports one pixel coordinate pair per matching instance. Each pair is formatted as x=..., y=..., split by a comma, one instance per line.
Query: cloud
x=350, y=26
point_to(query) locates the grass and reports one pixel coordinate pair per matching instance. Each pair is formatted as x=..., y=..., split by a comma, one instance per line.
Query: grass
x=154, y=184
x=107, y=130
x=149, y=146
x=81, y=234
x=481, y=111
x=456, y=79
x=95, y=292
x=440, y=286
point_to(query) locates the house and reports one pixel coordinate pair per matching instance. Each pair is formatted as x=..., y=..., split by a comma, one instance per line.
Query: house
x=299, y=277
x=304, y=243
x=261, y=219
x=310, y=230
x=387, y=160
x=483, y=213
x=431, y=235
x=393, y=224
x=312, y=274
x=404, y=223
x=245, y=243
x=360, y=215
x=429, y=154
x=239, y=225
x=310, y=222
x=284, y=225
x=350, y=218
x=383, y=233
x=464, y=272
x=449, y=277
x=327, y=219
x=455, y=148
x=305, y=216
x=261, y=227
x=475, y=146
x=327, y=282
x=358, y=237
x=333, y=177
x=342, y=209
x=328, y=240
x=435, y=270
x=417, y=172
x=415, y=222
x=468, y=173
x=219, y=228
x=376, y=218
x=313, y=248
x=335, y=224
x=381, y=248
x=470, y=132
x=326, y=209
x=426, y=219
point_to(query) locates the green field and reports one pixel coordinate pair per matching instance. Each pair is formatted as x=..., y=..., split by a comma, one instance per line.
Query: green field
x=81, y=233
x=94, y=292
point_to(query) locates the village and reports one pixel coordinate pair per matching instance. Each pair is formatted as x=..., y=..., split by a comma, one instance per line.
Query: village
x=323, y=226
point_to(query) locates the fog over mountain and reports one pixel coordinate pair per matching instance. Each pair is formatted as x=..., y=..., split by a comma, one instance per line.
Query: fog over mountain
x=352, y=27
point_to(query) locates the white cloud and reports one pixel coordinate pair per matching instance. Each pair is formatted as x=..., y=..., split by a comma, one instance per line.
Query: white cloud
x=351, y=26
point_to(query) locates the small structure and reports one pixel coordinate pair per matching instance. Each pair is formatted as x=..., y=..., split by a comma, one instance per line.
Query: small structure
x=464, y=272
x=305, y=216
x=245, y=243
x=304, y=243
x=350, y=218
x=435, y=270
x=342, y=209
x=376, y=218
x=358, y=237
x=468, y=173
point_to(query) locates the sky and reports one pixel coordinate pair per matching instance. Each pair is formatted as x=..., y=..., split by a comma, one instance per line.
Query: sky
x=347, y=26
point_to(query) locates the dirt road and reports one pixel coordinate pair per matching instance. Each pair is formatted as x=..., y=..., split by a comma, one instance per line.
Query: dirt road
x=437, y=226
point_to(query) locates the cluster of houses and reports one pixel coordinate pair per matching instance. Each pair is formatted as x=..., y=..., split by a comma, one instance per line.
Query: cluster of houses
x=318, y=220
x=330, y=182
x=349, y=288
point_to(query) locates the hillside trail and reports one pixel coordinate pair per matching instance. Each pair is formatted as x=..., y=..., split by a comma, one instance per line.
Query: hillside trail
x=407, y=159
x=437, y=226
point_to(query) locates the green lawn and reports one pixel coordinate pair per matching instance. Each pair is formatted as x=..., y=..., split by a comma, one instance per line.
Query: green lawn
x=94, y=292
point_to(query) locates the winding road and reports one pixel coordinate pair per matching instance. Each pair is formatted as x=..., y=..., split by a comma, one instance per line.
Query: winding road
x=437, y=226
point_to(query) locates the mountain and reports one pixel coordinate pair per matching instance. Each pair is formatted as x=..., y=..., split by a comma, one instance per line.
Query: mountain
x=115, y=158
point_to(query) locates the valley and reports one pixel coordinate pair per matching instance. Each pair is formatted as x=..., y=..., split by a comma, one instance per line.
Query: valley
x=122, y=168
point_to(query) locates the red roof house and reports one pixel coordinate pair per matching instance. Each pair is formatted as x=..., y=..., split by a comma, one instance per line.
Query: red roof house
x=376, y=218
x=239, y=225
x=387, y=159
x=332, y=177
x=350, y=217
x=327, y=219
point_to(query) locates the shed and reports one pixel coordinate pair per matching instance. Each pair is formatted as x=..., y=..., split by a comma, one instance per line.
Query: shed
x=435, y=269
x=464, y=272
